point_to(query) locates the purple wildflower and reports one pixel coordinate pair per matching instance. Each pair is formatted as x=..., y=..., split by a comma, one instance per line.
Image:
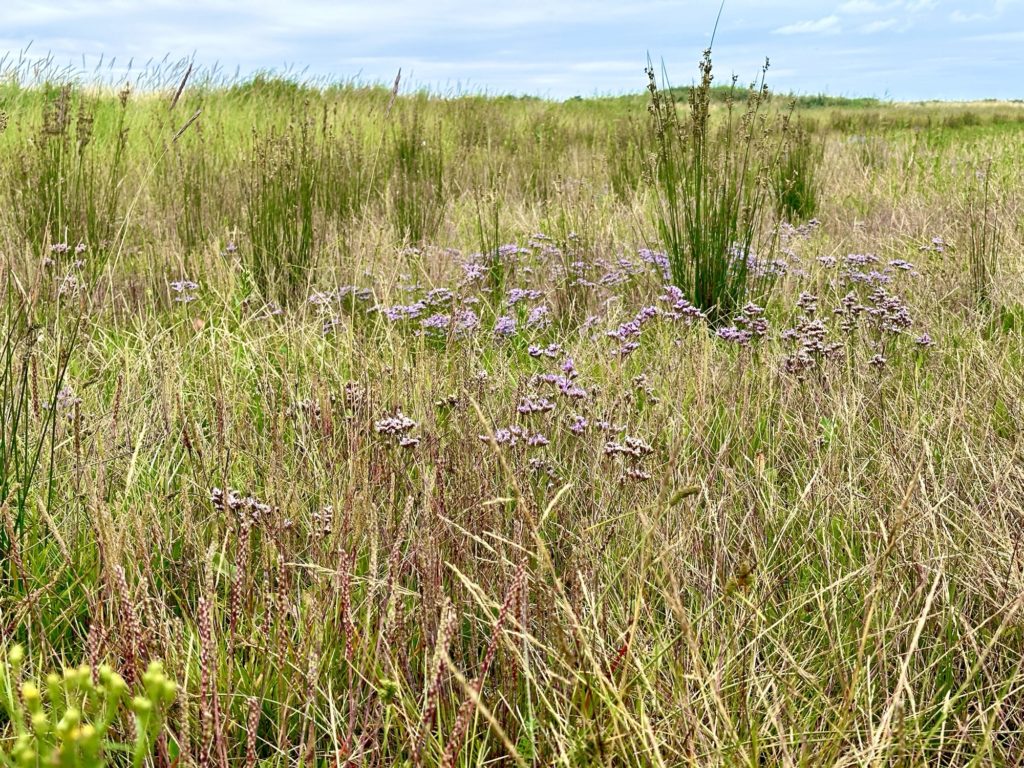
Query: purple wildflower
x=505, y=326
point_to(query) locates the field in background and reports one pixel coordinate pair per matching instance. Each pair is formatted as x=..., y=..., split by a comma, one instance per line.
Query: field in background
x=378, y=420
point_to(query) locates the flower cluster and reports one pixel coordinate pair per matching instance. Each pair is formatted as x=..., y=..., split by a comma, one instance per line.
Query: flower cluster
x=632, y=451
x=628, y=333
x=398, y=428
x=184, y=290
x=513, y=435
x=812, y=349
x=248, y=510
x=679, y=308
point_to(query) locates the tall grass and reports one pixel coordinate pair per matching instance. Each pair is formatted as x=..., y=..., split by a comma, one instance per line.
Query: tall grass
x=796, y=179
x=711, y=196
x=983, y=241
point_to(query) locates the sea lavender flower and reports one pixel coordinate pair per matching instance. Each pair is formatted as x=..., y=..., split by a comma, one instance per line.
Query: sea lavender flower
x=550, y=351
x=184, y=290
x=530, y=405
x=657, y=259
x=807, y=302
x=861, y=259
x=631, y=446
x=565, y=385
x=68, y=286
x=812, y=350
x=889, y=314
x=505, y=326
x=579, y=425
x=634, y=473
x=516, y=295
x=183, y=286
x=508, y=436
x=874, y=277
x=679, y=307
x=734, y=335
x=539, y=317
x=924, y=340
x=401, y=312
x=438, y=296
x=436, y=323
x=906, y=266
x=473, y=272
x=878, y=361
x=537, y=440
x=466, y=321
x=393, y=426
x=510, y=250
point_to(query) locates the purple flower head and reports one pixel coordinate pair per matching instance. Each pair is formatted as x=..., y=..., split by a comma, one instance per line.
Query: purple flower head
x=505, y=326
x=906, y=266
x=509, y=251
x=861, y=259
x=808, y=302
x=509, y=436
x=657, y=259
x=679, y=307
x=183, y=286
x=401, y=312
x=734, y=335
x=399, y=424
x=437, y=323
x=631, y=446
x=438, y=297
x=550, y=351
x=530, y=405
x=516, y=295
x=539, y=317
x=473, y=272
x=565, y=385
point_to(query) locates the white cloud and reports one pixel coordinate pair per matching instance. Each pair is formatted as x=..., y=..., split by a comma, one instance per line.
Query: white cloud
x=864, y=6
x=999, y=37
x=881, y=25
x=916, y=6
x=959, y=17
x=827, y=25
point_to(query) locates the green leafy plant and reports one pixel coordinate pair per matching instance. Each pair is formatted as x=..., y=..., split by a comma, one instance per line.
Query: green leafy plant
x=73, y=720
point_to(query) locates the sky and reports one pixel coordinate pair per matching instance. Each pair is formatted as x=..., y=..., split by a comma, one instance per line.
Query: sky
x=893, y=49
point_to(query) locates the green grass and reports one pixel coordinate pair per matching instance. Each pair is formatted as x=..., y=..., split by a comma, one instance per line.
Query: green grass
x=753, y=553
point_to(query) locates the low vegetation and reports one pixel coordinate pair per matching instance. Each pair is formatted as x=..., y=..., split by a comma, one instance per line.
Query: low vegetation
x=407, y=430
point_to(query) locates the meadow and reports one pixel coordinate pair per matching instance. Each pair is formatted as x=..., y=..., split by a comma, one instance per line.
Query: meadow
x=349, y=426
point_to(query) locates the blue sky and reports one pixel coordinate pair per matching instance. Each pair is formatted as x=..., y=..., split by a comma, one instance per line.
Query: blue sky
x=901, y=49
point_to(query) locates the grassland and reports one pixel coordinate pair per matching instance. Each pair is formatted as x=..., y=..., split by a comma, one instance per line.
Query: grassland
x=377, y=420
